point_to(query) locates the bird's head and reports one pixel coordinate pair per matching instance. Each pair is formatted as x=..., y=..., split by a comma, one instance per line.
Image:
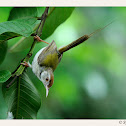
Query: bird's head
x=47, y=78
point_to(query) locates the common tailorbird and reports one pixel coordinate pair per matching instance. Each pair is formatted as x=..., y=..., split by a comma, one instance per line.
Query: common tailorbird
x=47, y=59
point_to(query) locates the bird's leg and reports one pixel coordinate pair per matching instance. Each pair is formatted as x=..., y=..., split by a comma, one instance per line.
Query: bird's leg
x=39, y=39
x=26, y=64
x=29, y=65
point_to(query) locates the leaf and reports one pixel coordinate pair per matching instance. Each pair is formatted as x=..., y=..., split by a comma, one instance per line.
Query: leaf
x=56, y=17
x=20, y=27
x=23, y=43
x=4, y=75
x=22, y=12
x=11, y=29
x=23, y=26
x=27, y=14
x=3, y=50
x=22, y=97
x=4, y=13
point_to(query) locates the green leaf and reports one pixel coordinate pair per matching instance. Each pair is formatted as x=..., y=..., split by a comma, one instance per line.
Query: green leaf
x=56, y=17
x=27, y=14
x=11, y=29
x=24, y=20
x=20, y=27
x=23, y=43
x=22, y=12
x=4, y=75
x=22, y=97
x=4, y=13
x=3, y=50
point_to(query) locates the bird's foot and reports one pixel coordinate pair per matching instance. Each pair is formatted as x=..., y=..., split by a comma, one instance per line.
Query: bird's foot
x=25, y=64
x=39, y=39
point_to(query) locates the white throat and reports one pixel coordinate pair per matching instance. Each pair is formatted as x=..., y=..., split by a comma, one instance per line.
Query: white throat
x=35, y=66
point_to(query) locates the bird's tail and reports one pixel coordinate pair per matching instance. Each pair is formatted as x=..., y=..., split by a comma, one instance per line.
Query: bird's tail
x=81, y=40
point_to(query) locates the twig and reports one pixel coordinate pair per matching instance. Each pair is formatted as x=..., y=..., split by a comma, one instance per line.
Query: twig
x=11, y=82
x=43, y=18
x=40, y=28
x=38, y=32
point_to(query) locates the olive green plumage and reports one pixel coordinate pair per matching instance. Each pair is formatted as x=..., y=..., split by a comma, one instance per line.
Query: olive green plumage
x=49, y=56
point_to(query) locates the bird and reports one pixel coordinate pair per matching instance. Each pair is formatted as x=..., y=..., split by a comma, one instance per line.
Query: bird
x=44, y=63
x=47, y=59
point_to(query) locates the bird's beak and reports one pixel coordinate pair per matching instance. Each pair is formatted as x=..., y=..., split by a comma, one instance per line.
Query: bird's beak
x=47, y=90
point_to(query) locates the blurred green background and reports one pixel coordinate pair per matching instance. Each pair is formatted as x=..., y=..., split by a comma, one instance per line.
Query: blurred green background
x=90, y=81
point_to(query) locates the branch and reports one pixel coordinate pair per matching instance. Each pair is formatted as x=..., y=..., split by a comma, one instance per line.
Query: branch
x=21, y=68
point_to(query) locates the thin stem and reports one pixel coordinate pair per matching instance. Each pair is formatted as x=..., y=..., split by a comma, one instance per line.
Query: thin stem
x=21, y=68
x=11, y=82
x=43, y=18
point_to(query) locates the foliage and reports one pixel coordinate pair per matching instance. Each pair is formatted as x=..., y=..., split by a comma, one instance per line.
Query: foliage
x=22, y=98
x=3, y=50
x=56, y=17
x=4, y=75
x=90, y=80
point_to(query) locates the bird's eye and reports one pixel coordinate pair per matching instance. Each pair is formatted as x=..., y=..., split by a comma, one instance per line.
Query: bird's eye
x=47, y=79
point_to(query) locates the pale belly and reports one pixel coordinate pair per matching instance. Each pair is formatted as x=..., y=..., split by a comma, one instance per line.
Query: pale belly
x=35, y=66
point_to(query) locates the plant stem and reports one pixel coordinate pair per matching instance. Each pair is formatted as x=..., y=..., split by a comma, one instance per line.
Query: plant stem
x=21, y=68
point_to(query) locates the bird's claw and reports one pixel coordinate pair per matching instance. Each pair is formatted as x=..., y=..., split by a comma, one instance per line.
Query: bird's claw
x=25, y=64
x=39, y=39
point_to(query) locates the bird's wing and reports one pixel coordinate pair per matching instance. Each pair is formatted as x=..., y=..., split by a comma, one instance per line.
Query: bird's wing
x=49, y=56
